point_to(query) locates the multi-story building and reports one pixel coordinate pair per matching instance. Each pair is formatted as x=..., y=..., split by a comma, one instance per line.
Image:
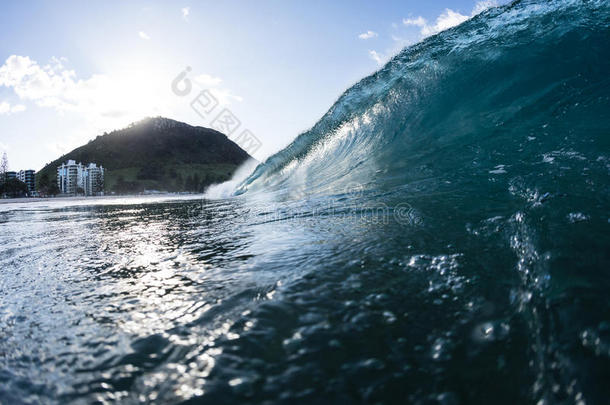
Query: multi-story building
x=69, y=177
x=10, y=175
x=29, y=178
x=72, y=176
x=93, y=180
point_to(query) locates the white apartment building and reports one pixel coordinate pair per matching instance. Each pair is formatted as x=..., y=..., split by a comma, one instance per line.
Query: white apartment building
x=71, y=176
x=93, y=179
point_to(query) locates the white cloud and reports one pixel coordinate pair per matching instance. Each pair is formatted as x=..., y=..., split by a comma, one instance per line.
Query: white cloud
x=376, y=57
x=49, y=86
x=447, y=19
x=106, y=101
x=185, y=12
x=212, y=83
x=143, y=35
x=368, y=35
x=7, y=109
x=418, y=22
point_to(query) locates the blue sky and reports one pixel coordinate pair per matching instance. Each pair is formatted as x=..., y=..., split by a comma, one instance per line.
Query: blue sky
x=70, y=70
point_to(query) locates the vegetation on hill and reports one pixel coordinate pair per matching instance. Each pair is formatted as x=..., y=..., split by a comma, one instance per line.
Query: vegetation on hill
x=13, y=188
x=155, y=154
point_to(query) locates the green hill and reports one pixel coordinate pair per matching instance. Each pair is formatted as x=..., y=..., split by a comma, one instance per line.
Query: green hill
x=155, y=154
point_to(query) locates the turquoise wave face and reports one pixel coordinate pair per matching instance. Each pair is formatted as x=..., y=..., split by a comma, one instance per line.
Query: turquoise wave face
x=502, y=89
x=495, y=135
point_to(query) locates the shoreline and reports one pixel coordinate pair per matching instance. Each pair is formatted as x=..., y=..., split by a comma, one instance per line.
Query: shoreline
x=90, y=198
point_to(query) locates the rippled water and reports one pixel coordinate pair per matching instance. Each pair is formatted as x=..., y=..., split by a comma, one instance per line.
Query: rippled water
x=242, y=301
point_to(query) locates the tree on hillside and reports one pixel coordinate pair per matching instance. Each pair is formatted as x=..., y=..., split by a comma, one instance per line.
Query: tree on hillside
x=42, y=182
x=53, y=189
x=3, y=167
x=46, y=185
x=196, y=183
x=189, y=183
x=153, y=171
x=14, y=188
x=179, y=182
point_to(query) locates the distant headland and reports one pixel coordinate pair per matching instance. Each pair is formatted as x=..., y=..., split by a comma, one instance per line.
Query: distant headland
x=154, y=154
